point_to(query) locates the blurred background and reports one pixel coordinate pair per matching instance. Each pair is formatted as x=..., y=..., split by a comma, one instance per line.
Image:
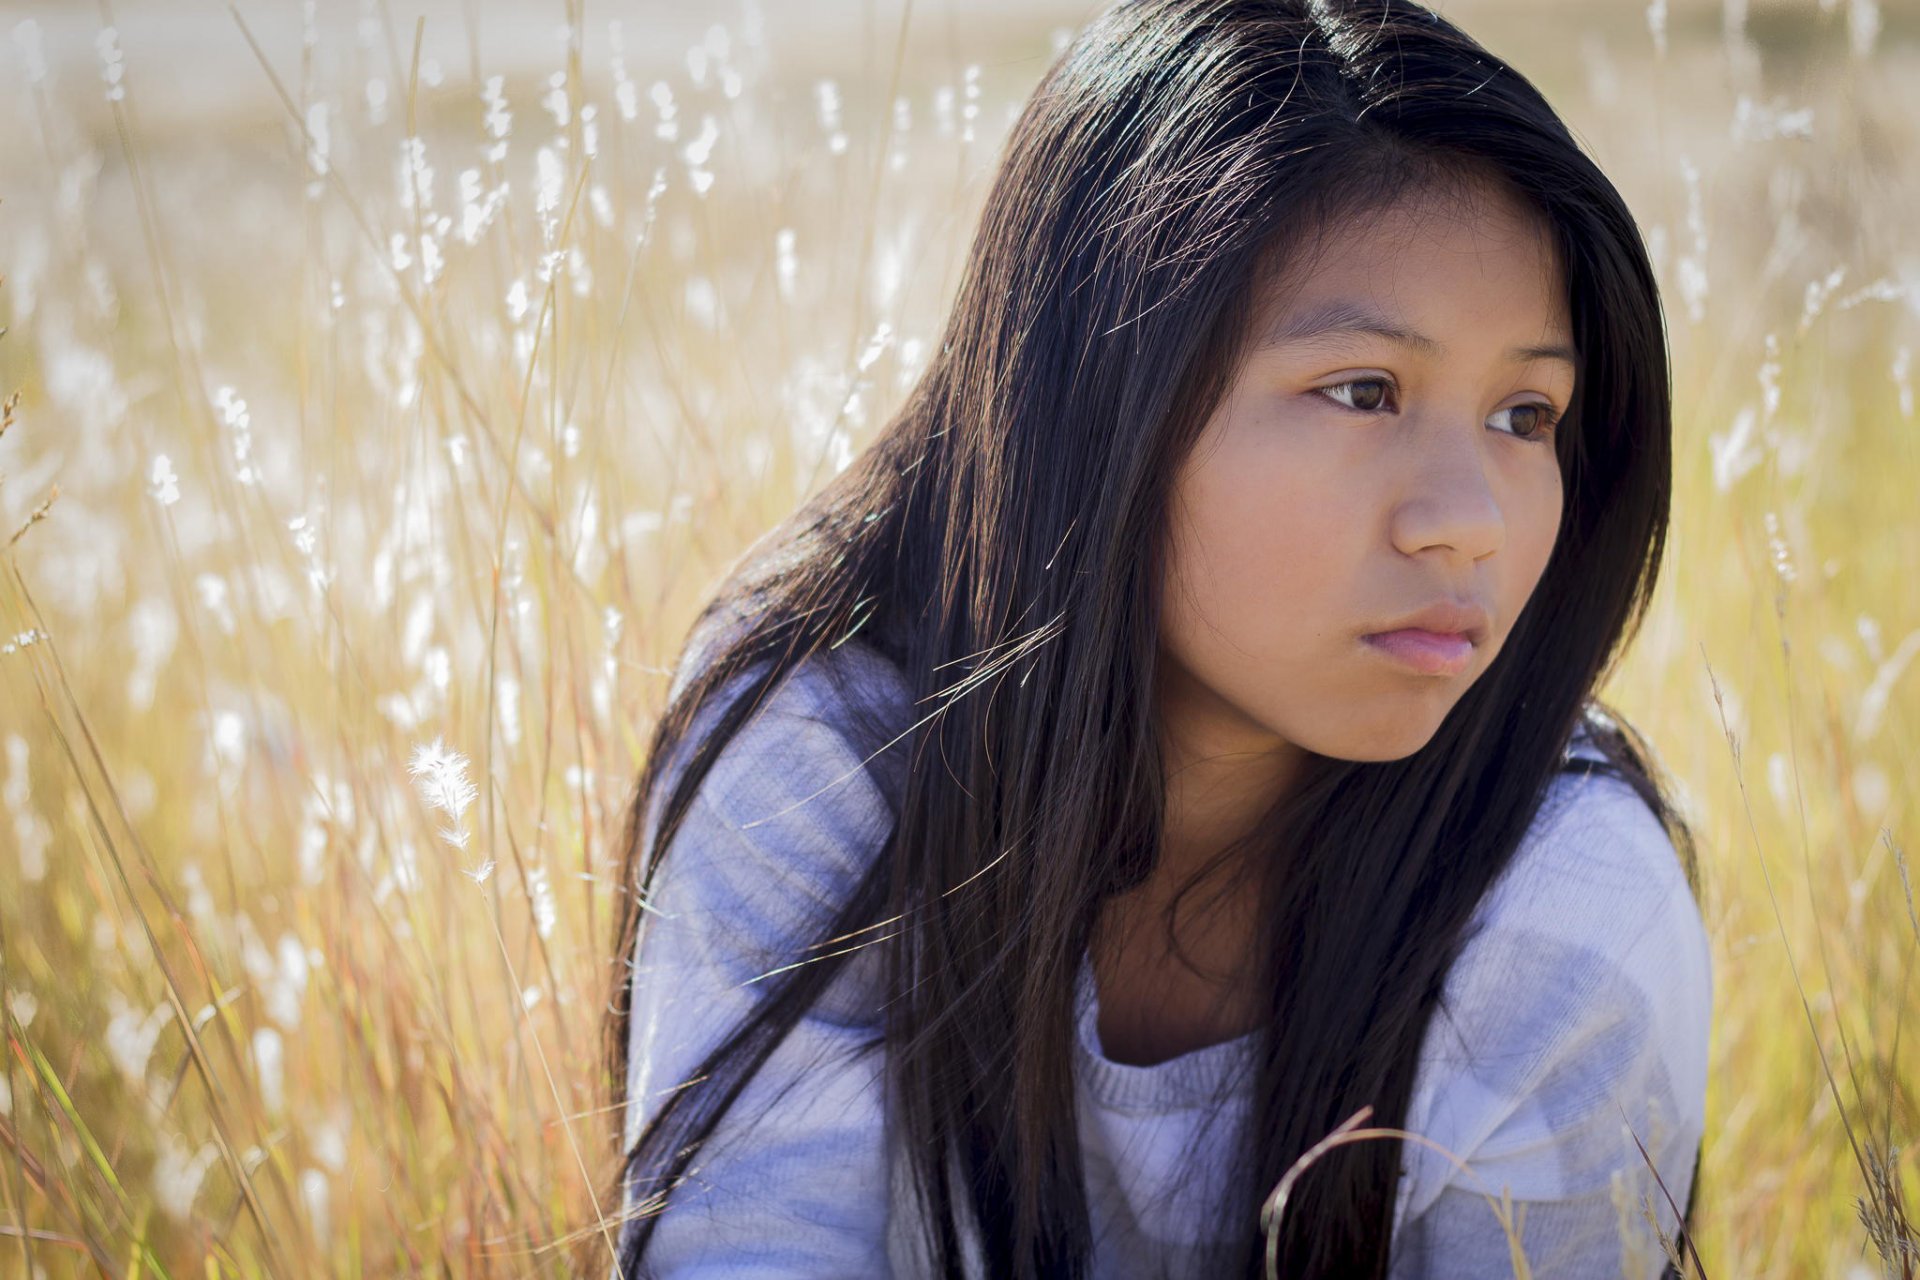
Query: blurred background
x=392, y=381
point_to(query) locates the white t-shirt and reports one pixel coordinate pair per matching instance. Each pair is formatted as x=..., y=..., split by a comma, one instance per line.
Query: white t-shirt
x=1579, y=1007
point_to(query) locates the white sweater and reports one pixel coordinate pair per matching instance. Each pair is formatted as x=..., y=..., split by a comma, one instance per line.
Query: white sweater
x=1579, y=1007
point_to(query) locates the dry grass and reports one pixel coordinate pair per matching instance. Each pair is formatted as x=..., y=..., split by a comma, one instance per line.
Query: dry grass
x=395, y=442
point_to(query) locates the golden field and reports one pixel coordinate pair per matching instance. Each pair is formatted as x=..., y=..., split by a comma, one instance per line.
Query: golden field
x=392, y=381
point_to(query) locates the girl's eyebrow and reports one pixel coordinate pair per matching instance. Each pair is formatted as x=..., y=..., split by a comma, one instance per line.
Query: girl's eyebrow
x=1342, y=316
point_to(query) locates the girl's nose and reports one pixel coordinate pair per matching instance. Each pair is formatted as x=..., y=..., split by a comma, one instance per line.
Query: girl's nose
x=1449, y=501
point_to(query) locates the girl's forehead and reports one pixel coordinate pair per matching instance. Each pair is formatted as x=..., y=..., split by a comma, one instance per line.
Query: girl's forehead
x=1424, y=238
x=1481, y=214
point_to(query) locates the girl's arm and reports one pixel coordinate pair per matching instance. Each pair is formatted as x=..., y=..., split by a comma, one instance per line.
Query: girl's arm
x=794, y=1181
x=1581, y=1010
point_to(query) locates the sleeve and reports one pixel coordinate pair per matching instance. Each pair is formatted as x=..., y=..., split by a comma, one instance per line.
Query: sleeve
x=1575, y=1019
x=794, y=1180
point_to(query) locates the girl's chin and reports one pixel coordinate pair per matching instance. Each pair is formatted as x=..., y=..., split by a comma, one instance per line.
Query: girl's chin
x=1393, y=735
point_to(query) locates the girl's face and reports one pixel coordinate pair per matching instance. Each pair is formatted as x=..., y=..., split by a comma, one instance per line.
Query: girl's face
x=1386, y=448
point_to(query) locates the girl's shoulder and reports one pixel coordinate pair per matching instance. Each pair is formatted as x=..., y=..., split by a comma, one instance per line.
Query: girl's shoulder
x=830, y=730
x=837, y=701
x=1594, y=829
x=1576, y=1016
x=1598, y=880
x=798, y=800
x=784, y=824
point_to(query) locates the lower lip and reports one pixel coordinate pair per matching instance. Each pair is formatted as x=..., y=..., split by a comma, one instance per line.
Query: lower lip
x=1432, y=653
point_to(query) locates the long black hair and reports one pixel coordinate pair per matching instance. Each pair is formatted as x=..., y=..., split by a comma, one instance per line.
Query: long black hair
x=1009, y=521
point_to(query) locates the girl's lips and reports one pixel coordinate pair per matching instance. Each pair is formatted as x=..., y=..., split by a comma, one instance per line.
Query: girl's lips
x=1434, y=653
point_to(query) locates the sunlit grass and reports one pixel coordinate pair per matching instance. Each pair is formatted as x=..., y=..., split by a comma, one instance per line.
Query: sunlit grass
x=400, y=421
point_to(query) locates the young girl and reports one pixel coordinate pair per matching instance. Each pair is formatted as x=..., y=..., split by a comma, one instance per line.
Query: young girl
x=1177, y=732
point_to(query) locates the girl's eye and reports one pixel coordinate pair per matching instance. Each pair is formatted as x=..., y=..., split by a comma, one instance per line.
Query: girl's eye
x=1537, y=427
x=1370, y=402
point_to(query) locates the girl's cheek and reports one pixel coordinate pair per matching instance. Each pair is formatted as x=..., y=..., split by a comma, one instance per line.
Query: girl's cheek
x=1537, y=512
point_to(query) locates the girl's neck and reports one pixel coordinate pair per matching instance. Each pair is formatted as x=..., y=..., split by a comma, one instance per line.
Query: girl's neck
x=1223, y=774
x=1170, y=984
